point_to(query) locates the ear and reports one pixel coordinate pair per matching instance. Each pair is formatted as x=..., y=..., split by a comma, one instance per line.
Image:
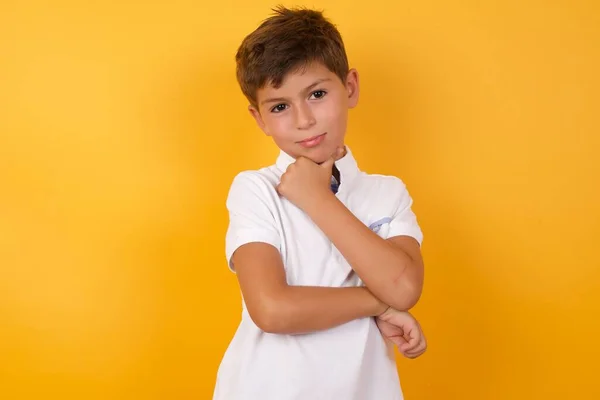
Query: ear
x=352, y=87
x=258, y=118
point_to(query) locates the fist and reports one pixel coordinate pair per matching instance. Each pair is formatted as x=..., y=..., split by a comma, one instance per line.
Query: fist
x=305, y=183
x=404, y=331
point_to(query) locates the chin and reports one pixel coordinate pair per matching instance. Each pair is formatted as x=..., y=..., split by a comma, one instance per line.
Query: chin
x=319, y=155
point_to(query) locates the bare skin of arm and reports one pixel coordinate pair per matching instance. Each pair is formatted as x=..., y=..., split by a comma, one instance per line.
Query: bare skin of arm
x=276, y=307
x=392, y=269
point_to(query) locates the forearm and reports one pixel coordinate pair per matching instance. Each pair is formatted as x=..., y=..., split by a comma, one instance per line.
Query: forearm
x=304, y=309
x=385, y=269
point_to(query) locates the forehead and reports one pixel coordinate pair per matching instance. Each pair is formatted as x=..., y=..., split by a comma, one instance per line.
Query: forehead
x=297, y=81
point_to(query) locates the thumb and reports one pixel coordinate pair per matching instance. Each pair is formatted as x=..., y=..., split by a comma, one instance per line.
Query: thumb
x=328, y=164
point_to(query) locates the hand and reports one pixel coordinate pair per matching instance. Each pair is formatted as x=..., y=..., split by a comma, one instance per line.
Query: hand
x=305, y=183
x=404, y=331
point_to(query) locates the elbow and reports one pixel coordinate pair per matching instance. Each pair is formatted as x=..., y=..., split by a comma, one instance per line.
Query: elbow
x=407, y=293
x=269, y=316
x=406, y=298
x=412, y=297
x=267, y=322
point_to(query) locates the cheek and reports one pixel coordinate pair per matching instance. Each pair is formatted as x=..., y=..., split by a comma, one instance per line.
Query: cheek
x=333, y=113
x=277, y=125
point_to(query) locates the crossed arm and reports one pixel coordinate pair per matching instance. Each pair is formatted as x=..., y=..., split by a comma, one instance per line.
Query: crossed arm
x=276, y=307
x=391, y=269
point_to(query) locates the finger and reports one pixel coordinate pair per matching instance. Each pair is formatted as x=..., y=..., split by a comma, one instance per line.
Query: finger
x=408, y=346
x=413, y=338
x=328, y=164
x=417, y=350
x=420, y=349
x=399, y=341
x=414, y=354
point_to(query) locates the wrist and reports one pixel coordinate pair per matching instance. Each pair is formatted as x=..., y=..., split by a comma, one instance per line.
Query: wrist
x=379, y=307
x=320, y=203
x=384, y=312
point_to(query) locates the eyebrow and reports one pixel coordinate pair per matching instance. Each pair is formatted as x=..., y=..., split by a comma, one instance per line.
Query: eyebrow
x=306, y=89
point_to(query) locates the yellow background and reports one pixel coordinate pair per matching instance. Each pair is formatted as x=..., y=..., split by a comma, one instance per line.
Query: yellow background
x=121, y=127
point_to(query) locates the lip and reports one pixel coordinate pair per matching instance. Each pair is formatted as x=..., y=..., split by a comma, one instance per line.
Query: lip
x=312, y=141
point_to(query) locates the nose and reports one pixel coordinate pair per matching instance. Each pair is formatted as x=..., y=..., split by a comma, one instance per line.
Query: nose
x=305, y=118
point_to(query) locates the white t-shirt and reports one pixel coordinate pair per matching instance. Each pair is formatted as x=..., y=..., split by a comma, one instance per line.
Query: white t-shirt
x=349, y=362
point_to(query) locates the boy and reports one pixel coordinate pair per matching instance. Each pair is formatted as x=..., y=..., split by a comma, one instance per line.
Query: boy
x=327, y=257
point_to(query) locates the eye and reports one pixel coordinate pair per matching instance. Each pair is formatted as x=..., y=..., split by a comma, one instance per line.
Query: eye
x=278, y=108
x=318, y=94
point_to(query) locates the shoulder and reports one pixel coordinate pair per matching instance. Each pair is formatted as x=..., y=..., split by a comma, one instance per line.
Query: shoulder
x=389, y=185
x=386, y=191
x=249, y=180
x=252, y=186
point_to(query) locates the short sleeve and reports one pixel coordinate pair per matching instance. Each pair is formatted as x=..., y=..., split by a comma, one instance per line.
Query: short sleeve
x=251, y=214
x=404, y=221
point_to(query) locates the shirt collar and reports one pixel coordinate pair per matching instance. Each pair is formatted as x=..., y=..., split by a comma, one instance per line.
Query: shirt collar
x=347, y=165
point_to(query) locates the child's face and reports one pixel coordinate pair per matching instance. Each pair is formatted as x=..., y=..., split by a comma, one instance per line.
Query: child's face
x=308, y=114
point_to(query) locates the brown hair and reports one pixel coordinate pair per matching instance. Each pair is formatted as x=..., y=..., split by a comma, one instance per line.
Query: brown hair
x=286, y=42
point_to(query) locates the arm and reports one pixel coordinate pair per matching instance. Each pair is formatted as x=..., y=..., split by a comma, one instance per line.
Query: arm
x=252, y=248
x=392, y=269
x=276, y=307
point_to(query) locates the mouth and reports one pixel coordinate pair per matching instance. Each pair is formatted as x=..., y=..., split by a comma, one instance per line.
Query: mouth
x=313, y=141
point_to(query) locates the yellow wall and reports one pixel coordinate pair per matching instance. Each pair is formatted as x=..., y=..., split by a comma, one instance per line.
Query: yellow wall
x=121, y=127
